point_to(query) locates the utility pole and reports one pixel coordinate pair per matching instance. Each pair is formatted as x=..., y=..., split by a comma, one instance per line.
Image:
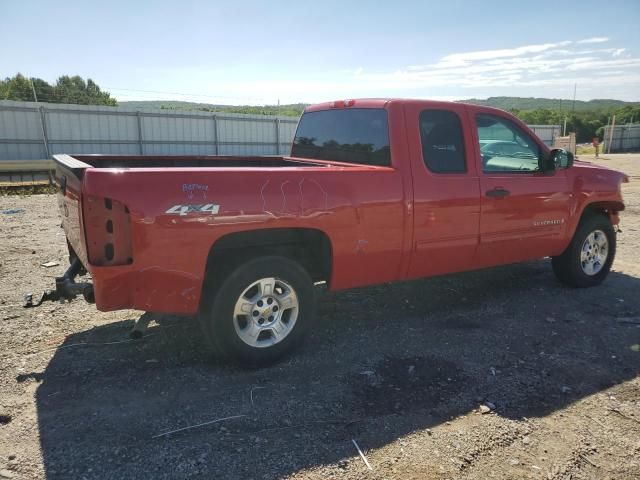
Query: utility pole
x=45, y=141
x=613, y=126
x=33, y=89
x=573, y=107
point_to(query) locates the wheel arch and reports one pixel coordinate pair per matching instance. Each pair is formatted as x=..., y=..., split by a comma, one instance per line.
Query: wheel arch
x=610, y=208
x=310, y=247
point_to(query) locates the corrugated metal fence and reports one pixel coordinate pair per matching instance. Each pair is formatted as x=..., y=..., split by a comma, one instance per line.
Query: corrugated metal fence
x=35, y=131
x=626, y=138
x=546, y=133
x=30, y=131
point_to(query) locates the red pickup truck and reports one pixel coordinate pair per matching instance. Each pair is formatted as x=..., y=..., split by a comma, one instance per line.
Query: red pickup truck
x=374, y=191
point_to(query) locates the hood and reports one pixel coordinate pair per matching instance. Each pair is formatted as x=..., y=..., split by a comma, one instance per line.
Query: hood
x=599, y=172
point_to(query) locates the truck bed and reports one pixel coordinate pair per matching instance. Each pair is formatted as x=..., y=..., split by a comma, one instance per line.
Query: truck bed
x=81, y=162
x=143, y=226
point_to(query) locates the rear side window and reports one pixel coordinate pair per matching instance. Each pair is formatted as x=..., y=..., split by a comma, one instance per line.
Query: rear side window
x=442, y=142
x=351, y=135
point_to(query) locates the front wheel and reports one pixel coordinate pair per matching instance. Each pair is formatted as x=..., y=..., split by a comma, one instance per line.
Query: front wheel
x=261, y=311
x=587, y=260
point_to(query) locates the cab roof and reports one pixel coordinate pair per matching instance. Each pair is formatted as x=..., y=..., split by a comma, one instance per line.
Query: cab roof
x=385, y=102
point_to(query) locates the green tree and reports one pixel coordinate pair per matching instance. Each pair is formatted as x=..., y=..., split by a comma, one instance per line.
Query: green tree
x=66, y=90
x=76, y=90
x=585, y=124
x=628, y=114
x=44, y=91
x=16, y=88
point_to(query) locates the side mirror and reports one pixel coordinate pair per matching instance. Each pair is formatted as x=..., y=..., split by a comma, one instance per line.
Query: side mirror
x=557, y=158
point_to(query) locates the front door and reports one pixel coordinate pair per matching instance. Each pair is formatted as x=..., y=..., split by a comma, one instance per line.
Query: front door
x=524, y=212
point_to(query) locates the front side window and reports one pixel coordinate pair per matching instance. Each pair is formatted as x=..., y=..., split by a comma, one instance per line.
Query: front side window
x=505, y=147
x=442, y=142
x=351, y=135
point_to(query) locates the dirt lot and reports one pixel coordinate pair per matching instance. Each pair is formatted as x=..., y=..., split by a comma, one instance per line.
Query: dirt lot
x=401, y=369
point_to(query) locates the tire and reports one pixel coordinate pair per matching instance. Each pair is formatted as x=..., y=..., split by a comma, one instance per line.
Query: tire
x=260, y=312
x=588, y=268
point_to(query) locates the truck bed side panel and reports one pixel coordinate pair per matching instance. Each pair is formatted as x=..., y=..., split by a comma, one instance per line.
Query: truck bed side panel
x=177, y=216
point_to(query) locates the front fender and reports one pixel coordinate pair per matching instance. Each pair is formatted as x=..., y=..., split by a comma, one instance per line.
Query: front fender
x=595, y=189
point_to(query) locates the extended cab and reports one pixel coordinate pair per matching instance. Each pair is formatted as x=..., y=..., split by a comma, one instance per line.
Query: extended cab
x=374, y=191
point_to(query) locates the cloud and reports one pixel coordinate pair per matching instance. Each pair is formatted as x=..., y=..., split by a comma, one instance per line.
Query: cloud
x=464, y=58
x=598, y=64
x=544, y=69
x=594, y=40
x=548, y=64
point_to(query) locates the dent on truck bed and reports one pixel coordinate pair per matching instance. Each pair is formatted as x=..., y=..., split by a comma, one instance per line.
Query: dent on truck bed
x=282, y=197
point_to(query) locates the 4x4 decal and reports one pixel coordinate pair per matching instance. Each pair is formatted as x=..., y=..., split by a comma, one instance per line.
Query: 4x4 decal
x=211, y=208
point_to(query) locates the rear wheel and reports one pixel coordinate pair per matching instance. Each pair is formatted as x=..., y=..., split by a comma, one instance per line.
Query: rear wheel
x=587, y=260
x=261, y=311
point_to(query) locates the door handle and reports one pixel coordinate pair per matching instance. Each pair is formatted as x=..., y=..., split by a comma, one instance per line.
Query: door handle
x=497, y=192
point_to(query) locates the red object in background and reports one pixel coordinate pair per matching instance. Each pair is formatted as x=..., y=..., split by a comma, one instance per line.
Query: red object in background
x=595, y=142
x=144, y=226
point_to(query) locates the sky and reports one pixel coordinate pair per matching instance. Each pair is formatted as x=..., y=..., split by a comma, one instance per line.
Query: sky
x=253, y=52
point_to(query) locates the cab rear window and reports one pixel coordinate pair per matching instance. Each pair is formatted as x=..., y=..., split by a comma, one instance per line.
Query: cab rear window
x=353, y=135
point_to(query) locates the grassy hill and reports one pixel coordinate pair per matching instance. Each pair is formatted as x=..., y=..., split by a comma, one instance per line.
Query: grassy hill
x=293, y=110
x=531, y=103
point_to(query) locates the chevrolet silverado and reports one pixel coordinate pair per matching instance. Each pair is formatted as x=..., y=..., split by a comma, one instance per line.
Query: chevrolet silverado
x=373, y=191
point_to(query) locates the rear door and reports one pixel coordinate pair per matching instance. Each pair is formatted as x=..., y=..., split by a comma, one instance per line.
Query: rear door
x=446, y=188
x=523, y=211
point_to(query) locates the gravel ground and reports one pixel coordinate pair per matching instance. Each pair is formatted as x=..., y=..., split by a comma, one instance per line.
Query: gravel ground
x=404, y=370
